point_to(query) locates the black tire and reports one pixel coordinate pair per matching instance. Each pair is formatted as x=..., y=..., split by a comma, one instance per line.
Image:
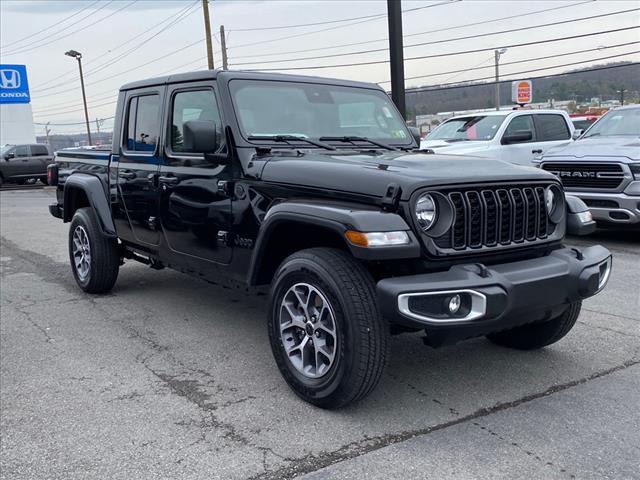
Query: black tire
x=44, y=180
x=538, y=335
x=361, y=332
x=104, y=260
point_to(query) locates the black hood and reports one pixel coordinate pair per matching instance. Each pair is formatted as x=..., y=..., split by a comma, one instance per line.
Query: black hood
x=370, y=174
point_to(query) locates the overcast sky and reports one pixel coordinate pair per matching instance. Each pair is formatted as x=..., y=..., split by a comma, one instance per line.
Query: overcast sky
x=115, y=39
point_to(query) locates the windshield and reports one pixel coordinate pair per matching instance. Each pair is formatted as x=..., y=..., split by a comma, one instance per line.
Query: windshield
x=478, y=127
x=313, y=111
x=617, y=122
x=5, y=148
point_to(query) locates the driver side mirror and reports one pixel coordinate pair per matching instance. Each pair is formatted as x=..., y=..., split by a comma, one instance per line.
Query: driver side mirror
x=9, y=156
x=577, y=133
x=517, y=136
x=200, y=136
x=415, y=132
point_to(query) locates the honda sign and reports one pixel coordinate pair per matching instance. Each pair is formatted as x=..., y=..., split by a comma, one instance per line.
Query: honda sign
x=14, y=87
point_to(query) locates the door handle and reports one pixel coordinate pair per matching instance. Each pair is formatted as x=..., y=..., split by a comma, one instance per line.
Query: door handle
x=127, y=175
x=536, y=151
x=168, y=180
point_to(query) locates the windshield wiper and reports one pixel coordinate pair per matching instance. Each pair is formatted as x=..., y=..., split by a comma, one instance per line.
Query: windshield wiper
x=289, y=138
x=352, y=139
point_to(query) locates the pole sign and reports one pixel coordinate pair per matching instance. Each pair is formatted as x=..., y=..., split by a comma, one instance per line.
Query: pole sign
x=14, y=87
x=521, y=92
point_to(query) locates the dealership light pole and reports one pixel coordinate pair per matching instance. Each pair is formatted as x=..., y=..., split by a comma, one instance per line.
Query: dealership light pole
x=621, y=92
x=78, y=56
x=497, y=54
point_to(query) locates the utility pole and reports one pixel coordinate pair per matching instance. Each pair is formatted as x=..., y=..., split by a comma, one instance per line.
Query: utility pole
x=497, y=54
x=98, y=126
x=207, y=29
x=223, y=47
x=396, y=54
x=78, y=57
x=47, y=131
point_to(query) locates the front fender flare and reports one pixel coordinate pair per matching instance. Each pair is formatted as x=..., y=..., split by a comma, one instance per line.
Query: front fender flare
x=97, y=196
x=337, y=218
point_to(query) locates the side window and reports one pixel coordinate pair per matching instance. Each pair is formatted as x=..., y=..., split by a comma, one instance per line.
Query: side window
x=143, y=123
x=22, y=151
x=39, y=151
x=519, y=124
x=552, y=127
x=194, y=105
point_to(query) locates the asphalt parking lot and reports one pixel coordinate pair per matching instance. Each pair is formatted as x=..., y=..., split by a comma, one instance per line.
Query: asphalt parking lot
x=171, y=377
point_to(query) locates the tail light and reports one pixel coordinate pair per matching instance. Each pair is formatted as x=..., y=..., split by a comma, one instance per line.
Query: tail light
x=52, y=174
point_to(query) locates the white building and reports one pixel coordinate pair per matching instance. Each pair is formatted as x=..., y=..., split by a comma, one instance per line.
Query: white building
x=16, y=116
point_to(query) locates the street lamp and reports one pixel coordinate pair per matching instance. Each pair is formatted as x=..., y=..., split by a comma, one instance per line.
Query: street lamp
x=78, y=56
x=621, y=92
x=497, y=54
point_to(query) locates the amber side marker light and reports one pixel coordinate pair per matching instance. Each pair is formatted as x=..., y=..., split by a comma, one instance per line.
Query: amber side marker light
x=377, y=239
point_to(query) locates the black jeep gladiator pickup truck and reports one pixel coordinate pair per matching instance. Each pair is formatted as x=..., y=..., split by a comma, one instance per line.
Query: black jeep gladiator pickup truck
x=313, y=186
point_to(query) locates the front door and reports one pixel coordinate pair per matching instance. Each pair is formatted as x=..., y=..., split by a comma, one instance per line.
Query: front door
x=524, y=152
x=195, y=210
x=136, y=211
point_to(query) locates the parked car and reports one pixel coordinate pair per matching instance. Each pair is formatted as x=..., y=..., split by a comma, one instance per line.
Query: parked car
x=516, y=136
x=582, y=122
x=23, y=163
x=602, y=167
x=312, y=187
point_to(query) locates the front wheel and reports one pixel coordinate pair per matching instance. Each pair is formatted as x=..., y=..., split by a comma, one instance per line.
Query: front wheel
x=538, y=335
x=94, y=258
x=327, y=335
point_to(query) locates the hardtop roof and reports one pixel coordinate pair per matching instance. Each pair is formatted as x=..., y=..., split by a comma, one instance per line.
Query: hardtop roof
x=213, y=74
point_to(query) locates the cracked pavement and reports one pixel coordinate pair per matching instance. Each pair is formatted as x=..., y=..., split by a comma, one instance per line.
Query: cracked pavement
x=171, y=377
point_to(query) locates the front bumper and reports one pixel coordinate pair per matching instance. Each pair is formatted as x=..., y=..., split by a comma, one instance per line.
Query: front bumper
x=503, y=296
x=612, y=208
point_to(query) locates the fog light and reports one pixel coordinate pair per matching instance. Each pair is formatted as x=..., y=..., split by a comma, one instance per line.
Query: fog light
x=585, y=217
x=454, y=304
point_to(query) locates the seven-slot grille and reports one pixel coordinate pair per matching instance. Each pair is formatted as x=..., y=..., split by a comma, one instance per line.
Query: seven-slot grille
x=587, y=175
x=493, y=216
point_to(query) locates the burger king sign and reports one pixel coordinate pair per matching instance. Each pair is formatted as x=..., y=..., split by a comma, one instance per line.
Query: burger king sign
x=521, y=92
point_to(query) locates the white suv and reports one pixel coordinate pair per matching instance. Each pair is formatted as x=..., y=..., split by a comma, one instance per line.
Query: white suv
x=516, y=136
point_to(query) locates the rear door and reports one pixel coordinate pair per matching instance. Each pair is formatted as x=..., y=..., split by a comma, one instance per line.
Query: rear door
x=39, y=160
x=551, y=130
x=137, y=167
x=195, y=211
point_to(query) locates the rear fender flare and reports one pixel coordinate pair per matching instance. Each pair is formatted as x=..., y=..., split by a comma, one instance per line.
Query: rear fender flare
x=96, y=194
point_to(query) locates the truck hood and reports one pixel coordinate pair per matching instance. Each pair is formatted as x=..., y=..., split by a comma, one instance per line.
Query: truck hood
x=464, y=147
x=622, y=148
x=371, y=173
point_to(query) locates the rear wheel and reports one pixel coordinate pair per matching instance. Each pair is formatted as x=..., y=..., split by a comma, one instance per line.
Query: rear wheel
x=538, y=335
x=327, y=335
x=94, y=258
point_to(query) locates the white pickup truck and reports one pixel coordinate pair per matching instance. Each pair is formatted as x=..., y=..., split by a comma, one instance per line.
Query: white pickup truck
x=516, y=136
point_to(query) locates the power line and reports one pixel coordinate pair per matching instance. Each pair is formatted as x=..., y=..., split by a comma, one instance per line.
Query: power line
x=468, y=84
x=282, y=27
x=69, y=124
x=455, y=27
x=49, y=40
x=49, y=26
x=98, y=57
x=437, y=55
x=288, y=37
x=447, y=40
x=573, y=52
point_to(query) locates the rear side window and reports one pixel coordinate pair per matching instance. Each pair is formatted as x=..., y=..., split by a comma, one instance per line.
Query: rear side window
x=39, y=150
x=22, y=151
x=552, y=127
x=519, y=124
x=143, y=123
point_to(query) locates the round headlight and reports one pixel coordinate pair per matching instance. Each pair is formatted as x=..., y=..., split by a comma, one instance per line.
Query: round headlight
x=426, y=212
x=554, y=202
x=549, y=200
